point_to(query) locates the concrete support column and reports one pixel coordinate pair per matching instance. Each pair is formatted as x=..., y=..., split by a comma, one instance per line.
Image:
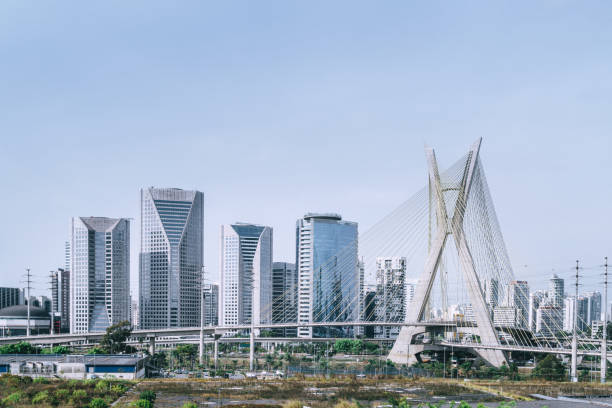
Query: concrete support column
x=216, y=352
x=252, y=350
x=152, y=345
x=201, y=346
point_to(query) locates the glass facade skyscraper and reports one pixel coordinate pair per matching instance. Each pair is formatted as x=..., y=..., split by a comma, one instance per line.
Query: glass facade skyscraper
x=328, y=273
x=246, y=274
x=171, y=257
x=99, y=273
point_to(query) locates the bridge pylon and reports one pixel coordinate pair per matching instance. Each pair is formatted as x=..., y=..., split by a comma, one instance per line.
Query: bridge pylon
x=404, y=348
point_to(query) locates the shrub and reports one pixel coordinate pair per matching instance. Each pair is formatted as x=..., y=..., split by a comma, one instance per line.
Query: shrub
x=102, y=386
x=148, y=395
x=12, y=399
x=98, y=403
x=62, y=394
x=118, y=388
x=40, y=398
x=41, y=380
x=190, y=405
x=142, y=403
x=79, y=396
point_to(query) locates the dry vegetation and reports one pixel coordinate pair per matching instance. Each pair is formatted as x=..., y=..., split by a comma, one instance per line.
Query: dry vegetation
x=42, y=392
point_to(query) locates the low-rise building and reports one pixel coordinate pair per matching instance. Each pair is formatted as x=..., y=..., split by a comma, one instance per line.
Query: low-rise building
x=71, y=366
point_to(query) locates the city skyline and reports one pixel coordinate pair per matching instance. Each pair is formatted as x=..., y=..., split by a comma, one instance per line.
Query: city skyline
x=333, y=117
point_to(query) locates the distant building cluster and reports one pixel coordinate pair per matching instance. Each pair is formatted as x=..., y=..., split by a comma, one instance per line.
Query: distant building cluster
x=324, y=283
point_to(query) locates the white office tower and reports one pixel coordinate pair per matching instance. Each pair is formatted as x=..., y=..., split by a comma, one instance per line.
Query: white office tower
x=536, y=299
x=210, y=297
x=328, y=273
x=556, y=289
x=390, y=295
x=171, y=257
x=518, y=297
x=99, y=274
x=246, y=274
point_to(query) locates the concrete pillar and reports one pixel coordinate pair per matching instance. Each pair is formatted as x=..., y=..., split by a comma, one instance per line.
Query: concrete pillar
x=252, y=350
x=201, y=346
x=152, y=345
x=216, y=352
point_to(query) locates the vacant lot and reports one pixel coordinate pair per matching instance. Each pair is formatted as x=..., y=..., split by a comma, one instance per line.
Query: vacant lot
x=42, y=392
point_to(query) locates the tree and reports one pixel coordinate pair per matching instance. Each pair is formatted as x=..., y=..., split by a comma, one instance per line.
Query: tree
x=22, y=347
x=186, y=353
x=549, y=368
x=115, y=337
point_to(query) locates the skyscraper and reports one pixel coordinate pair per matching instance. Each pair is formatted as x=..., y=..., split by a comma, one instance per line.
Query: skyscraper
x=492, y=292
x=246, y=274
x=556, y=291
x=328, y=273
x=536, y=299
x=390, y=294
x=100, y=275
x=284, y=296
x=210, y=297
x=518, y=297
x=594, y=307
x=10, y=297
x=171, y=257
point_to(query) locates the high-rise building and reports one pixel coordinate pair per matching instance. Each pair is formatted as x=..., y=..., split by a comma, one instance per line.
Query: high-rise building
x=547, y=320
x=506, y=316
x=390, y=294
x=171, y=257
x=100, y=273
x=134, y=313
x=582, y=305
x=10, y=297
x=369, y=309
x=492, y=292
x=60, y=298
x=594, y=306
x=246, y=274
x=210, y=297
x=536, y=299
x=284, y=297
x=556, y=289
x=328, y=273
x=518, y=297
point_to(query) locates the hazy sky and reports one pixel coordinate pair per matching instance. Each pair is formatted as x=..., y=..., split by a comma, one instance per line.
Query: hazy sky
x=274, y=109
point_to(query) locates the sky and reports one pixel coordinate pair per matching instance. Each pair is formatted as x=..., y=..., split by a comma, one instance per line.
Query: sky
x=275, y=108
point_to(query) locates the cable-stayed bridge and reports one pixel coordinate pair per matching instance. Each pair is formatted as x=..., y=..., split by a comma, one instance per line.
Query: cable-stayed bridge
x=446, y=238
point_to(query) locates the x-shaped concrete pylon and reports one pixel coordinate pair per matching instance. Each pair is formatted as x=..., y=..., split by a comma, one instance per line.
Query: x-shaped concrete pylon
x=446, y=227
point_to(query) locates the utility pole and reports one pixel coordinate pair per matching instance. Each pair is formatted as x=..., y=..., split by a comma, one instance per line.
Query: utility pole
x=53, y=301
x=574, y=339
x=604, y=337
x=202, y=318
x=28, y=280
